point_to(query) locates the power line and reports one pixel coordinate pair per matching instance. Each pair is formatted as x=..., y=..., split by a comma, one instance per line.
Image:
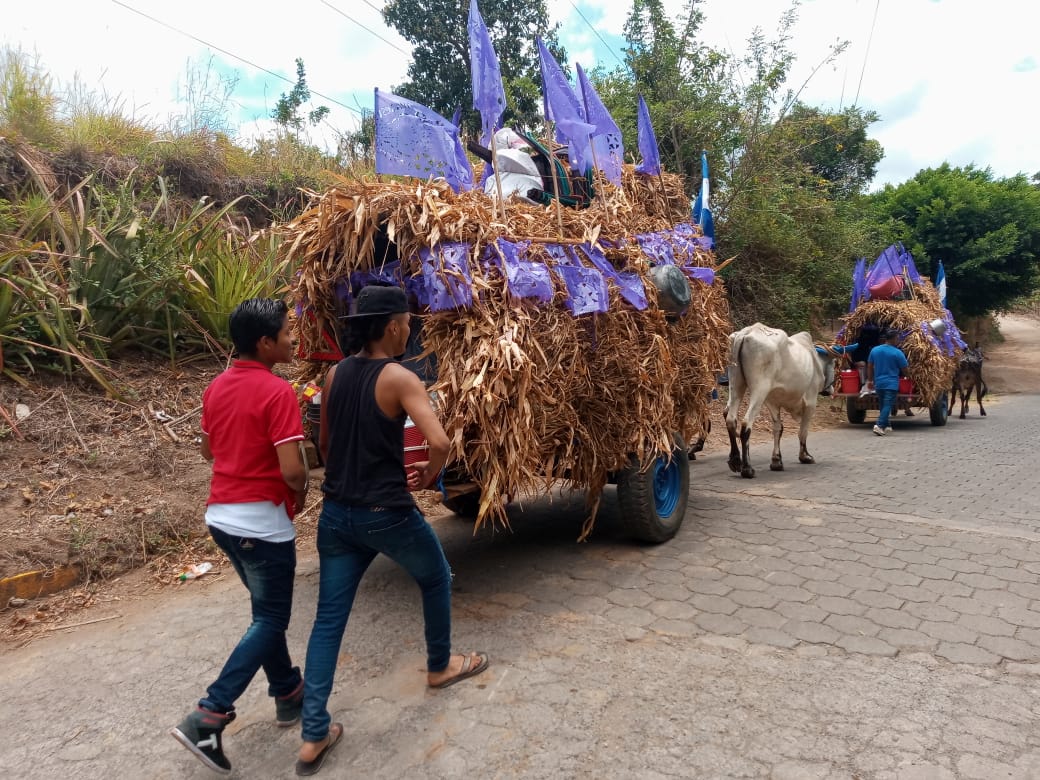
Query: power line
x=230, y=54
x=596, y=32
x=366, y=29
x=867, y=52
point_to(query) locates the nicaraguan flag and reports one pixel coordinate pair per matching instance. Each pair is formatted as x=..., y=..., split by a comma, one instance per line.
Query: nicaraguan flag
x=940, y=283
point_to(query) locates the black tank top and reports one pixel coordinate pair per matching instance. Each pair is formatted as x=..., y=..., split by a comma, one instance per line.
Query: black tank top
x=365, y=464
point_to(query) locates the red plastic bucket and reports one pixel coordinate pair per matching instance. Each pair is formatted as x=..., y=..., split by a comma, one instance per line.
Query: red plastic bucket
x=850, y=381
x=906, y=386
x=416, y=447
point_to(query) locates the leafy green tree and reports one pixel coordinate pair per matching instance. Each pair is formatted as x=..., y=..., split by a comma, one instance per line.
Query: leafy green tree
x=287, y=110
x=985, y=231
x=835, y=146
x=439, y=75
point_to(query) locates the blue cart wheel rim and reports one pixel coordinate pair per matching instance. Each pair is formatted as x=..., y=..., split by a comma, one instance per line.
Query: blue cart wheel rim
x=667, y=486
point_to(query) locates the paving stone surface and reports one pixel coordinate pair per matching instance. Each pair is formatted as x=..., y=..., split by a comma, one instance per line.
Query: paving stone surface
x=876, y=615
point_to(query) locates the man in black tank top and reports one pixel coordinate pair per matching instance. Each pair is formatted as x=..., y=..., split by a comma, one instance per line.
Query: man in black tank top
x=368, y=507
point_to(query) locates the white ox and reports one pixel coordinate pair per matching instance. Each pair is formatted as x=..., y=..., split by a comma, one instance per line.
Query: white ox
x=781, y=372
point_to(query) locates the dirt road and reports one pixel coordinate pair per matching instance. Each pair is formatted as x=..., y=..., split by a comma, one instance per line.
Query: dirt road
x=1014, y=365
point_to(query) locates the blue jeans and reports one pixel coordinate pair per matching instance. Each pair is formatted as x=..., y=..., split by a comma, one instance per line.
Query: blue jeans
x=267, y=569
x=349, y=538
x=887, y=402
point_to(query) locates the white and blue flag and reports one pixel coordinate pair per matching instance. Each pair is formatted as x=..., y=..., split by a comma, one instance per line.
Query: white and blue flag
x=940, y=284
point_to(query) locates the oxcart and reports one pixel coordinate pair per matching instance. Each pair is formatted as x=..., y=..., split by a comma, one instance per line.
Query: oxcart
x=890, y=293
x=571, y=345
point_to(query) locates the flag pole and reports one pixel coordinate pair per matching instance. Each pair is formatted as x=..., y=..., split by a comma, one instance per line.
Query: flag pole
x=498, y=179
x=555, y=183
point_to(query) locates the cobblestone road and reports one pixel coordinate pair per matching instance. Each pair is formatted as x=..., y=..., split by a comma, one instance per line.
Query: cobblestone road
x=876, y=615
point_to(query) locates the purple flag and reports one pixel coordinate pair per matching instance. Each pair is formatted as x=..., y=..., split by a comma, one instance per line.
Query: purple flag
x=413, y=140
x=489, y=98
x=562, y=107
x=651, y=164
x=607, y=150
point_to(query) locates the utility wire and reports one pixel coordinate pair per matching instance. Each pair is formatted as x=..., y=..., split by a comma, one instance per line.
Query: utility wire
x=366, y=29
x=230, y=54
x=596, y=33
x=867, y=52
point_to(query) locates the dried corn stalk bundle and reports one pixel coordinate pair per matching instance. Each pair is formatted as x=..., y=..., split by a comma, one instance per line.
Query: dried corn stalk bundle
x=930, y=368
x=528, y=393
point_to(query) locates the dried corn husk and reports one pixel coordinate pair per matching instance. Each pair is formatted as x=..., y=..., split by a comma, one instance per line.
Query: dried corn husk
x=527, y=393
x=929, y=367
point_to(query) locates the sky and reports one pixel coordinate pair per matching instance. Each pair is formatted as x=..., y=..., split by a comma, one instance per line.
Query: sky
x=952, y=80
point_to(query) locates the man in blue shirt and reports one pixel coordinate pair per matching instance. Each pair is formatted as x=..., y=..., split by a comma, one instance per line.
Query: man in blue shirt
x=884, y=367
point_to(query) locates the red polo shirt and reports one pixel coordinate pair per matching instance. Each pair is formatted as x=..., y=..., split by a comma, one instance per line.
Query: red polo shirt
x=247, y=411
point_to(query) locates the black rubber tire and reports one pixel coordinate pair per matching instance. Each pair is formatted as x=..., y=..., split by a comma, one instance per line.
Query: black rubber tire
x=465, y=506
x=855, y=414
x=939, y=412
x=639, y=513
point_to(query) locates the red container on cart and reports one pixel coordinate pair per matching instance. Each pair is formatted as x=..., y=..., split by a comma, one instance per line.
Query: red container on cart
x=906, y=386
x=416, y=448
x=850, y=381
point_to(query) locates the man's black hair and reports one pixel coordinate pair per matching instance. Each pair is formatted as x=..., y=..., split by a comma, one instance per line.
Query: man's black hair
x=253, y=319
x=363, y=331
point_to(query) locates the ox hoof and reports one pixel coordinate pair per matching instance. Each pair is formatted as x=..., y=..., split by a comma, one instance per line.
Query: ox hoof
x=963, y=415
x=982, y=414
x=806, y=459
x=734, y=466
x=776, y=465
x=747, y=472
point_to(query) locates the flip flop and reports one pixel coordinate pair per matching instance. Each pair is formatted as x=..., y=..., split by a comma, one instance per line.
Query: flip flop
x=307, y=768
x=468, y=669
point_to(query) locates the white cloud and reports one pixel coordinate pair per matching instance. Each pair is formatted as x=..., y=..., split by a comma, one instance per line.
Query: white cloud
x=952, y=80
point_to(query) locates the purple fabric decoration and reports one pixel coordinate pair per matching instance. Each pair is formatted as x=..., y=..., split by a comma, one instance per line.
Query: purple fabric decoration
x=526, y=279
x=859, y=283
x=563, y=108
x=586, y=288
x=413, y=140
x=445, y=272
x=651, y=163
x=559, y=253
x=416, y=286
x=887, y=265
x=706, y=275
x=630, y=285
x=388, y=274
x=489, y=97
x=607, y=149
x=656, y=248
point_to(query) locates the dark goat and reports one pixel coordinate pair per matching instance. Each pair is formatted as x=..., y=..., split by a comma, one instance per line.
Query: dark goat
x=968, y=378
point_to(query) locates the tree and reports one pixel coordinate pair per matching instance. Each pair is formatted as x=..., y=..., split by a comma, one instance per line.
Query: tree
x=778, y=168
x=439, y=76
x=287, y=110
x=835, y=147
x=986, y=232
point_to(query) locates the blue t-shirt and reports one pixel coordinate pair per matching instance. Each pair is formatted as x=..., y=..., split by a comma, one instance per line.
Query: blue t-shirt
x=887, y=361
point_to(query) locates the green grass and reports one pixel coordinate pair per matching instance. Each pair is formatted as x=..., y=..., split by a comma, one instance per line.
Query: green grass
x=120, y=236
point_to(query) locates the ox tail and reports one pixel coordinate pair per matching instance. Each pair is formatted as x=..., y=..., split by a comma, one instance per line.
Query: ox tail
x=738, y=363
x=985, y=389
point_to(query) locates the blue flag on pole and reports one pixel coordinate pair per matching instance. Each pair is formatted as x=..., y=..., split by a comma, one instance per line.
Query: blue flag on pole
x=489, y=96
x=413, y=140
x=701, y=211
x=940, y=284
x=647, y=141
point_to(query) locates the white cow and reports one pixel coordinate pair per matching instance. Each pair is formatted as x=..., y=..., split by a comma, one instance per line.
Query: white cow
x=781, y=372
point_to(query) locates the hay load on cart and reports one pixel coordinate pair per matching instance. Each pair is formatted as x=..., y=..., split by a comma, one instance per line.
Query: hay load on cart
x=891, y=294
x=575, y=345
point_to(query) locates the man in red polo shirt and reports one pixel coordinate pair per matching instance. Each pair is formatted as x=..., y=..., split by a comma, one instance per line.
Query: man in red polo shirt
x=251, y=432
